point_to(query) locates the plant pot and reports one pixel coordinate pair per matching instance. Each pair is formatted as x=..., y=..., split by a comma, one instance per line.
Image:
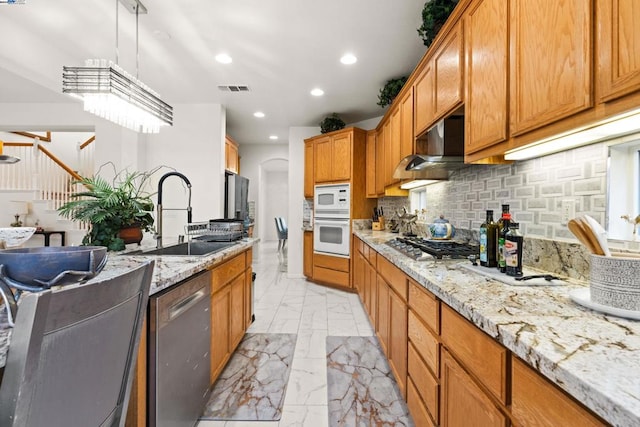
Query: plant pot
x=131, y=235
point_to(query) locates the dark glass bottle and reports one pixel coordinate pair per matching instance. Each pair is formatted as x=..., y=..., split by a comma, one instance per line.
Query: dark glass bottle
x=503, y=228
x=488, y=241
x=513, y=248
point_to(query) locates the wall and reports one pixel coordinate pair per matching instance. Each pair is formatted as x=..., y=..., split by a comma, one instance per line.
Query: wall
x=184, y=146
x=253, y=158
x=277, y=202
x=297, y=135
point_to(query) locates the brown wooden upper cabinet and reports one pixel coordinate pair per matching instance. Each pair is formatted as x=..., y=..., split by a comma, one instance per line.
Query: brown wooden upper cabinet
x=308, y=170
x=551, y=61
x=393, y=147
x=438, y=88
x=371, y=164
x=618, y=48
x=332, y=157
x=231, y=159
x=406, y=124
x=380, y=160
x=486, y=90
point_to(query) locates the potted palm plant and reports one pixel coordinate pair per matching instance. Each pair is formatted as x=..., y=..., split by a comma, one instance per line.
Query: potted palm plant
x=118, y=211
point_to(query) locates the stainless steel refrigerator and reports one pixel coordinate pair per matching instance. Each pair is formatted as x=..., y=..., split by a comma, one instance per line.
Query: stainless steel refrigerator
x=236, y=196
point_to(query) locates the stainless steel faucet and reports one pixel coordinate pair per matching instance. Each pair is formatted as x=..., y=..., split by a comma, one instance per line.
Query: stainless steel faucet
x=188, y=209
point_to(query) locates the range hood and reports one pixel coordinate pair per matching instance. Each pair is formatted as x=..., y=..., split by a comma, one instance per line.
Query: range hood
x=438, y=151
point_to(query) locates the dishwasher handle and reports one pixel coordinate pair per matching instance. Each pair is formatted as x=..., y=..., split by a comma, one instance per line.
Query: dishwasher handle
x=186, y=303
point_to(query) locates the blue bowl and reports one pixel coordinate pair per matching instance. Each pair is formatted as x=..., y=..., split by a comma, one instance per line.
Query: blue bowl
x=41, y=268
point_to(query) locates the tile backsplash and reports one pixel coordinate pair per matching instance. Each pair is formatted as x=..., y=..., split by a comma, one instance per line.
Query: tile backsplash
x=535, y=190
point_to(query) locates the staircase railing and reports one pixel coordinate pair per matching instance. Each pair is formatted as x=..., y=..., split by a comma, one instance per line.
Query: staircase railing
x=43, y=172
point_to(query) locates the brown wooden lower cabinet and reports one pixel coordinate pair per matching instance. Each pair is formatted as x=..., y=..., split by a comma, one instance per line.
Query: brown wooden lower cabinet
x=462, y=402
x=535, y=401
x=451, y=372
x=331, y=270
x=307, y=266
x=236, y=315
x=220, y=351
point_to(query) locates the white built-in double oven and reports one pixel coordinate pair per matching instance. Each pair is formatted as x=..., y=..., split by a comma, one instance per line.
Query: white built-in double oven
x=331, y=221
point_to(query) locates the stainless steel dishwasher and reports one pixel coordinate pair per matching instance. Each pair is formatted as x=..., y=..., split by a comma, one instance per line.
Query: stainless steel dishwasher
x=179, y=352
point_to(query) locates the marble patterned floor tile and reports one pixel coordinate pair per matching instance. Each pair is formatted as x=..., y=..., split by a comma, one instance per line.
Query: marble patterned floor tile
x=307, y=383
x=208, y=423
x=253, y=384
x=342, y=327
x=304, y=416
x=361, y=388
x=311, y=344
x=284, y=326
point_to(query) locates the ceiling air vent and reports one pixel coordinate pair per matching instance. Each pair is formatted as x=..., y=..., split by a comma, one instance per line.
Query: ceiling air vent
x=234, y=88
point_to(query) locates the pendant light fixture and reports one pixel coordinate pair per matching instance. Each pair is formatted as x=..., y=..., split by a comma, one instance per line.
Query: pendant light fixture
x=110, y=92
x=4, y=158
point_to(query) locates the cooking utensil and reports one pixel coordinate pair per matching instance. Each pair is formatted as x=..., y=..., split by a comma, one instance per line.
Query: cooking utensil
x=547, y=277
x=600, y=233
x=591, y=235
x=578, y=229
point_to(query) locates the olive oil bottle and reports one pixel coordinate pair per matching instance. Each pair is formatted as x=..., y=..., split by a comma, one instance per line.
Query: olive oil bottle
x=513, y=247
x=488, y=241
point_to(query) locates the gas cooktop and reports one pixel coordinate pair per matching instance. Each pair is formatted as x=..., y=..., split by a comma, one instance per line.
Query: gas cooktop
x=420, y=248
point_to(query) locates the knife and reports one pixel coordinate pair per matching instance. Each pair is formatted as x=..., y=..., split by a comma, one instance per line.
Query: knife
x=375, y=214
x=547, y=277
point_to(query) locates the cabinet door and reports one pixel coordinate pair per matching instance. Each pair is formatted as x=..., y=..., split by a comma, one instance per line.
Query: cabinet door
x=398, y=340
x=487, y=44
x=551, y=57
x=231, y=155
x=618, y=48
x=537, y=402
x=308, y=254
x=370, y=182
x=425, y=109
x=380, y=160
x=393, y=147
x=341, y=157
x=383, y=309
x=220, y=308
x=373, y=296
x=462, y=401
x=406, y=125
x=448, y=73
x=358, y=271
x=388, y=153
x=322, y=159
x=308, y=170
x=236, y=315
x=248, y=297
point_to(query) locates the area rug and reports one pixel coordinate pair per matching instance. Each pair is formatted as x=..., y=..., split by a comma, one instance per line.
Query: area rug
x=252, y=385
x=361, y=388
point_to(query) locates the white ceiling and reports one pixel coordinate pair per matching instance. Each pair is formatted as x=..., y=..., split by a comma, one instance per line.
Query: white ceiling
x=281, y=49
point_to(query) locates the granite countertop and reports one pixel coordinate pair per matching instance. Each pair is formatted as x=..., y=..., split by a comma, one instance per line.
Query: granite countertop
x=593, y=356
x=168, y=271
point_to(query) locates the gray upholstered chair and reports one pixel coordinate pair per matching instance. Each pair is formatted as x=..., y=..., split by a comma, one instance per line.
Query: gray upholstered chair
x=72, y=353
x=283, y=232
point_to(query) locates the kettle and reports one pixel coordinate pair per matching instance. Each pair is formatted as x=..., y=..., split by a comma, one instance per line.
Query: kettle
x=441, y=229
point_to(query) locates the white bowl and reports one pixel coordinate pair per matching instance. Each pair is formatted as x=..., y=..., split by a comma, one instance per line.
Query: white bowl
x=15, y=236
x=615, y=281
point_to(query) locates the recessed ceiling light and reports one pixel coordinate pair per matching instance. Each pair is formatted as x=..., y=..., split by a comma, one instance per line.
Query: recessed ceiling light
x=317, y=92
x=274, y=137
x=223, y=58
x=259, y=114
x=348, y=59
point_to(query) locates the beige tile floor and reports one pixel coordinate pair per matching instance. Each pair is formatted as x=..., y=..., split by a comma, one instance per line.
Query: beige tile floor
x=284, y=305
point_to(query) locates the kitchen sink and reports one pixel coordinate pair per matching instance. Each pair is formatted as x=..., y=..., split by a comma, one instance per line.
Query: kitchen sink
x=187, y=248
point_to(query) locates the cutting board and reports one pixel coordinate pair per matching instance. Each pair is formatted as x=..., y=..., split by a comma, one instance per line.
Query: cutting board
x=494, y=273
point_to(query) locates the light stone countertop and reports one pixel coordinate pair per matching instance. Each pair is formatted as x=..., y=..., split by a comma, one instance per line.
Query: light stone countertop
x=168, y=271
x=593, y=356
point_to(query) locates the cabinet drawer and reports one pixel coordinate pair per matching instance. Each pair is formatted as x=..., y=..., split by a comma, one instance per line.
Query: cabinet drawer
x=327, y=275
x=426, y=385
x=425, y=305
x=536, y=401
x=224, y=273
x=393, y=276
x=426, y=344
x=372, y=257
x=331, y=262
x=417, y=408
x=479, y=353
x=364, y=249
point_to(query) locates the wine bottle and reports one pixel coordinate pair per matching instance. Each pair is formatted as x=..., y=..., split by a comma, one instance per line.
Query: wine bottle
x=513, y=247
x=503, y=228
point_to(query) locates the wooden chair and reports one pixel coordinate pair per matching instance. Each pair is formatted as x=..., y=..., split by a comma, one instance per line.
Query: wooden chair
x=73, y=351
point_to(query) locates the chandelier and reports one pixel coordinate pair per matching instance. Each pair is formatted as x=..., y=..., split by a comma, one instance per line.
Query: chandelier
x=108, y=91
